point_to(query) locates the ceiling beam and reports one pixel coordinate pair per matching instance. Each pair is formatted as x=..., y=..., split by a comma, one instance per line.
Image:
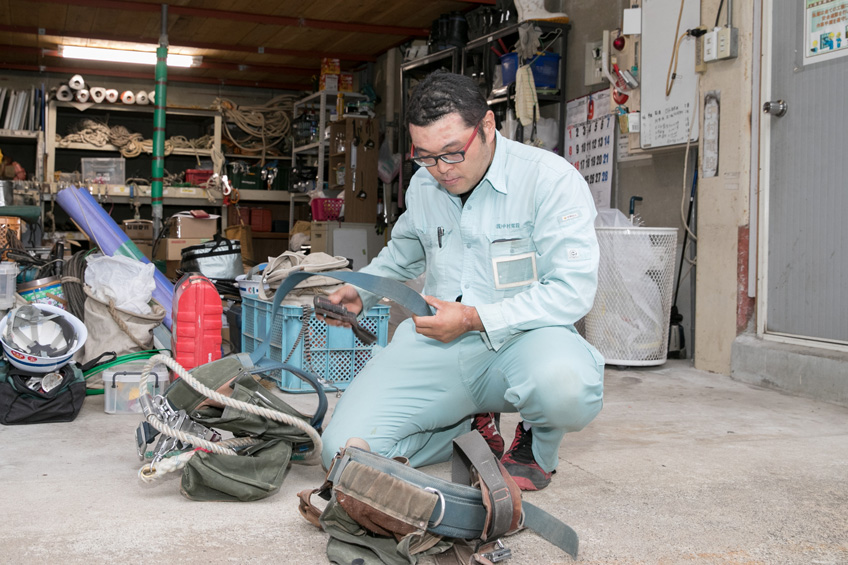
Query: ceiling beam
x=343, y=56
x=149, y=76
x=228, y=15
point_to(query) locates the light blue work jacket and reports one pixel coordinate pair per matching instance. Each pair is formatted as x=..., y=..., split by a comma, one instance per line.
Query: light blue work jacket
x=522, y=249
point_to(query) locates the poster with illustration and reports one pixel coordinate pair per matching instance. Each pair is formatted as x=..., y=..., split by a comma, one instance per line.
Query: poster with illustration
x=825, y=30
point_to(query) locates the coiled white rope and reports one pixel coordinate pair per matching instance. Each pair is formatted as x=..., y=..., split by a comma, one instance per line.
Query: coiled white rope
x=268, y=123
x=128, y=143
x=221, y=448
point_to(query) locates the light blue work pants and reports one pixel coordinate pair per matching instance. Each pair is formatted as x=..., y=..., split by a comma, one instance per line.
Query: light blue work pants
x=416, y=395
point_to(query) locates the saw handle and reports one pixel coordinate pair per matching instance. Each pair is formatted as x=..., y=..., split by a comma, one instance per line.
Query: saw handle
x=323, y=307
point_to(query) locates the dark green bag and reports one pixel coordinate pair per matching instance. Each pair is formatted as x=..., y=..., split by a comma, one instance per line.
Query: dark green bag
x=258, y=471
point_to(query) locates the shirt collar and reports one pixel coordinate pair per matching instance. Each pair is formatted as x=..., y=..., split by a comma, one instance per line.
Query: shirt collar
x=496, y=175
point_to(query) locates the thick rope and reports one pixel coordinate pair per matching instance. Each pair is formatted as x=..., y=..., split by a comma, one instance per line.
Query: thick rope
x=113, y=310
x=221, y=448
x=157, y=470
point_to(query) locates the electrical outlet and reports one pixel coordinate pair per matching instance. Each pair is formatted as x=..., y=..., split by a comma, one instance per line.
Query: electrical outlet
x=728, y=43
x=710, y=45
x=592, y=67
x=700, y=64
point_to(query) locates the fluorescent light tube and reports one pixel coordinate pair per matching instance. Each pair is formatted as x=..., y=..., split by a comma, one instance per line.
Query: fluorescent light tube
x=124, y=56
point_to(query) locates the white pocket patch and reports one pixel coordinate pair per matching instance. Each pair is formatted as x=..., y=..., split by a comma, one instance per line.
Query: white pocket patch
x=514, y=270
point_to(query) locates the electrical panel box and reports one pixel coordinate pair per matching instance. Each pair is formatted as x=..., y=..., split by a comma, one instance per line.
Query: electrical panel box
x=592, y=73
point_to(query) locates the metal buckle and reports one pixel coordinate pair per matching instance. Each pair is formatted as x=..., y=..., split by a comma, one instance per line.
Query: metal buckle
x=442, y=502
x=500, y=553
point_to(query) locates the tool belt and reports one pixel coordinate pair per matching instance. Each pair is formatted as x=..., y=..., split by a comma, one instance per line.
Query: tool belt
x=406, y=513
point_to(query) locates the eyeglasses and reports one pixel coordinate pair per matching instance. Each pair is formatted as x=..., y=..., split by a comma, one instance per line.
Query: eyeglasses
x=451, y=158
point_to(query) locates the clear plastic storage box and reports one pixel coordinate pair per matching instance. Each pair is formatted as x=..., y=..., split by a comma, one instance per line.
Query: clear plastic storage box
x=120, y=386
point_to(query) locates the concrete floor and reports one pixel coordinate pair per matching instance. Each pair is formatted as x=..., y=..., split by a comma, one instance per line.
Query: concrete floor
x=681, y=466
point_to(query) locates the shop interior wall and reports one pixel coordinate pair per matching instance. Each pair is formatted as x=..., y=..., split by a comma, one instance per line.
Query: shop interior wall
x=657, y=179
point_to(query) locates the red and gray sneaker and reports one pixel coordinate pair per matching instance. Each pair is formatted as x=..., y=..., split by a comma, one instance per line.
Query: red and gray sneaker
x=520, y=463
x=487, y=425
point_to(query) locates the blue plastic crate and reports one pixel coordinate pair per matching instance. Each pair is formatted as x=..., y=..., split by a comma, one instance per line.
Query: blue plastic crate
x=333, y=354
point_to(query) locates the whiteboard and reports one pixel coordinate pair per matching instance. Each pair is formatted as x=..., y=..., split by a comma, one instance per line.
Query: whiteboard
x=666, y=119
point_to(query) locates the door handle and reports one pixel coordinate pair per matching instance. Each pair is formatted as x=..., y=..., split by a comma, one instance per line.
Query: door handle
x=775, y=107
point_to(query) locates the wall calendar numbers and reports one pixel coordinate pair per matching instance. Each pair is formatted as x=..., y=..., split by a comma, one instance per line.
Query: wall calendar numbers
x=590, y=139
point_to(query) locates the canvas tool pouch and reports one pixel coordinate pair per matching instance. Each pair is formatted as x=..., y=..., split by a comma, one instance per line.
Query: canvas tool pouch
x=259, y=470
x=113, y=329
x=21, y=405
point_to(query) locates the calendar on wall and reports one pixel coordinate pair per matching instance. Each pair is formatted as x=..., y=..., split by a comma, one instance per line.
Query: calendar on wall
x=590, y=140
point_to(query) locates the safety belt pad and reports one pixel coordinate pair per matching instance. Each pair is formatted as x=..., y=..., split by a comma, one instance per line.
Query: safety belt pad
x=501, y=495
x=382, y=503
x=217, y=375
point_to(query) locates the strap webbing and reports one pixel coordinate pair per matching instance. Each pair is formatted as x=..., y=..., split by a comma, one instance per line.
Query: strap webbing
x=550, y=528
x=380, y=286
x=471, y=450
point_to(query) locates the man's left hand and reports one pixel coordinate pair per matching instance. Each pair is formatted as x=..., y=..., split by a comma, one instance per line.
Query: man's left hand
x=452, y=319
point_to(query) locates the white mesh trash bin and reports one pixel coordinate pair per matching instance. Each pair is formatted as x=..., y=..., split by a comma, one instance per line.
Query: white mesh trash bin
x=629, y=320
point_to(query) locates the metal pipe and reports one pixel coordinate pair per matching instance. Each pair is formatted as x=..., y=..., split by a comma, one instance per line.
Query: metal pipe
x=730, y=13
x=158, y=166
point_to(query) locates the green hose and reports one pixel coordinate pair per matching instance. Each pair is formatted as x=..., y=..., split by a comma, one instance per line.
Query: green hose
x=136, y=356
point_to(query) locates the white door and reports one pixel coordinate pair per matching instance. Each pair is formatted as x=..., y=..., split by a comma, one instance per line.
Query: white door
x=804, y=205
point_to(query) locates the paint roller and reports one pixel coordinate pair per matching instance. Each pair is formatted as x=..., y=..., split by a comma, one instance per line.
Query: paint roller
x=128, y=97
x=76, y=82
x=141, y=98
x=82, y=95
x=111, y=95
x=98, y=94
x=64, y=94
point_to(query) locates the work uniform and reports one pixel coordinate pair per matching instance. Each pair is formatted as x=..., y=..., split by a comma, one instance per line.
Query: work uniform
x=522, y=250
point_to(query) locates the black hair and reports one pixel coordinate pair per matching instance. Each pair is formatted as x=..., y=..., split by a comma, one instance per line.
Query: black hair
x=442, y=93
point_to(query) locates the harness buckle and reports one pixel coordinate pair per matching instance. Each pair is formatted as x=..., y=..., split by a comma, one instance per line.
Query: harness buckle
x=499, y=553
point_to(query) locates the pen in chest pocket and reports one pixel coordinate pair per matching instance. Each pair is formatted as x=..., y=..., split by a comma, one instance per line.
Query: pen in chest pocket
x=440, y=233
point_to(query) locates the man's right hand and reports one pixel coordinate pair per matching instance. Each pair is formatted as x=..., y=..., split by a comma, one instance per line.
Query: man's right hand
x=347, y=297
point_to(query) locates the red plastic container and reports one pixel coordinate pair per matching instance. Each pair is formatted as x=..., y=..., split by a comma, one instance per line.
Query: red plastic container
x=260, y=219
x=196, y=329
x=326, y=209
x=198, y=177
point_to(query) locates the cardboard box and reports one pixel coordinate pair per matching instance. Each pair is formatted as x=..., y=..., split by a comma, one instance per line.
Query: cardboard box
x=330, y=83
x=170, y=249
x=186, y=226
x=330, y=66
x=146, y=248
x=346, y=82
x=141, y=230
